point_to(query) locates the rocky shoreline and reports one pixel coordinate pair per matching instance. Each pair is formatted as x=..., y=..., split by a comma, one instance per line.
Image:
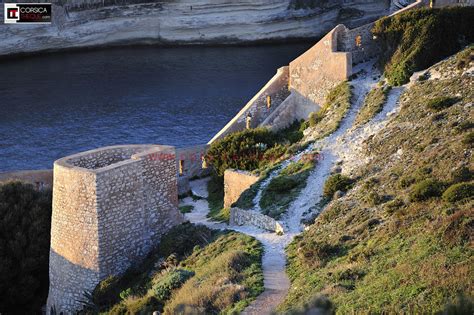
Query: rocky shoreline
x=199, y=22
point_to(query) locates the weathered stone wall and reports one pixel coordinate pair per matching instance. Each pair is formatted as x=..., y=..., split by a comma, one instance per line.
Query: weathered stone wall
x=107, y=214
x=40, y=179
x=244, y=217
x=319, y=69
x=359, y=42
x=256, y=108
x=235, y=183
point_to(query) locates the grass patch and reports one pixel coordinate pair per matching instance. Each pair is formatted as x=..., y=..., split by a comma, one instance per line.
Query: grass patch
x=215, y=189
x=441, y=102
x=373, y=104
x=459, y=192
x=327, y=119
x=414, y=40
x=201, y=259
x=426, y=189
x=227, y=277
x=186, y=209
x=284, y=188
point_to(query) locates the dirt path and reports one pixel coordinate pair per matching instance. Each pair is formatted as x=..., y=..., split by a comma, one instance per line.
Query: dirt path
x=341, y=147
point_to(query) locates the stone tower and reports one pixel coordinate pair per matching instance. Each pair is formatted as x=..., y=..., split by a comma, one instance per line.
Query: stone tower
x=110, y=207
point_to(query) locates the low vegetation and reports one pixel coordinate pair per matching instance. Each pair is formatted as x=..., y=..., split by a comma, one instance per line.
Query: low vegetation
x=25, y=224
x=186, y=209
x=335, y=183
x=415, y=39
x=373, y=104
x=285, y=187
x=258, y=150
x=327, y=119
x=400, y=240
x=182, y=275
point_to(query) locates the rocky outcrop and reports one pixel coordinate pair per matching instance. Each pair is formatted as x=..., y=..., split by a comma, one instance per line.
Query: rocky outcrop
x=81, y=23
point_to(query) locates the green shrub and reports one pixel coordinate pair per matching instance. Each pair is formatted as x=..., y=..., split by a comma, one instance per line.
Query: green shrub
x=465, y=58
x=416, y=39
x=242, y=150
x=292, y=133
x=336, y=182
x=468, y=139
x=186, y=209
x=173, y=280
x=393, y=205
x=462, y=174
x=281, y=184
x=374, y=199
x=458, y=192
x=441, y=102
x=25, y=224
x=425, y=190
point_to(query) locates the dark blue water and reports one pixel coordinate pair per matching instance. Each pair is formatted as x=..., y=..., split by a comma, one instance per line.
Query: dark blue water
x=58, y=104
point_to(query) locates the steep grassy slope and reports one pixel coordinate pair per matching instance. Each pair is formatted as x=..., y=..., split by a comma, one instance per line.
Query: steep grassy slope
x=401, y=240
x=194, y=268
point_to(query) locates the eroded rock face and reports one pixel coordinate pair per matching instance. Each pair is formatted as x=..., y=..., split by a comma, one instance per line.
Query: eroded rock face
x=81, y=23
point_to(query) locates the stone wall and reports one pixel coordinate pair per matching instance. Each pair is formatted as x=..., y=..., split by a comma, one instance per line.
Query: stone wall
x=235, y=183
x=359, y=42
x=107, y=215
x=257, y=108
x=244, y=217
x=319, y=69
x=40, y=179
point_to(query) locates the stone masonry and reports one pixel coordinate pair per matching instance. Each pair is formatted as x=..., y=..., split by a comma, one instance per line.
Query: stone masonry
x=110, y=207
x=244, y=217
x=235, y=183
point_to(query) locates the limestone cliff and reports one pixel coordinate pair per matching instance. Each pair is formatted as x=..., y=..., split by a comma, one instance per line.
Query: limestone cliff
x=86, y=23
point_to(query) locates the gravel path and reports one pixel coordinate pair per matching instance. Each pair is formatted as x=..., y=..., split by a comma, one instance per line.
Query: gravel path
x=341, y=147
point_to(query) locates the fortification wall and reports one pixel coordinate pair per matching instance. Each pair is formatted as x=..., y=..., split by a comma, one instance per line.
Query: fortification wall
x=235, y=183
x=257, y=108
x=110, y=207
x=319, y=69
x=244, y=217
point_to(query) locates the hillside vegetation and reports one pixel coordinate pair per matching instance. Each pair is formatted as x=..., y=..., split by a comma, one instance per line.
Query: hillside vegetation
x=25, y=223
x=401, y=239
x=194, y=270
x=415, y=39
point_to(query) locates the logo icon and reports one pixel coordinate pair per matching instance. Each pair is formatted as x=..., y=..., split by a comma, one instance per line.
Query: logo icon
x=37, y=13
x=12, y=13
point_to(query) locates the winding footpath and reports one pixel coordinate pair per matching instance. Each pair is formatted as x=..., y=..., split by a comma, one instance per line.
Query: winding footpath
x=341, y=147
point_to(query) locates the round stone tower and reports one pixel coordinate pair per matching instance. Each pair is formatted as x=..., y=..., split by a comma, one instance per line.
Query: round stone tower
x=110, y=207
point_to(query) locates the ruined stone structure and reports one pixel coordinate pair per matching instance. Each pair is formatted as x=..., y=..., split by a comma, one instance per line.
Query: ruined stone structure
x=235, y=183
x=110, y=207
x=244, y=217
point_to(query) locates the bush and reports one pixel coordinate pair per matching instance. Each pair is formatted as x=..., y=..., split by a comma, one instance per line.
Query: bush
x=461, y=174
x=416, y=39
x=173, y=280
x=336, y=182
x=242, y=150
x=458, y=192
x=186, y=209
x=425, y=190
x=468, y=139
x=439, y=103
x=25, y=225
x=316, y=253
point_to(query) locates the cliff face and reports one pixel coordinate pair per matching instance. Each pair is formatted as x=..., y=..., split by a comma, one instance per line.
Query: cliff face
x=81, y=23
